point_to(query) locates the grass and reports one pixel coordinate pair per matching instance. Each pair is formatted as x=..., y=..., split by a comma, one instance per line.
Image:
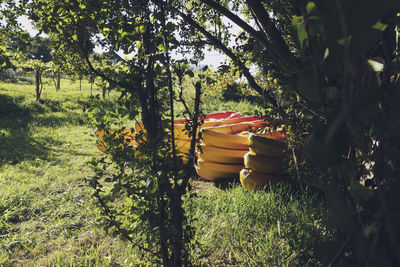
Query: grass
x=277, y=227
x=48, y=217
x=47, y=214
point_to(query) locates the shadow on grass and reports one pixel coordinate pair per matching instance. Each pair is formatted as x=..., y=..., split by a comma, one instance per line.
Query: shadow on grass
x=16, y=142
x=60, y=119
x=225, y=184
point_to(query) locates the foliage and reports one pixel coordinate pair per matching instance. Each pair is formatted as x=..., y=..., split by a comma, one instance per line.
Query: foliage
x=12, y=38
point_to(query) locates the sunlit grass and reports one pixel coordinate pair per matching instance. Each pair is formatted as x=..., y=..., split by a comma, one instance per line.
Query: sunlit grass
x=276, y=227
x=47, y=214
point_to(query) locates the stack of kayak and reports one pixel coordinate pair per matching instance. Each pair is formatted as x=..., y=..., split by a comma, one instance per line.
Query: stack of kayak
x=264, y=163
x=228, y=146
x=221, y=150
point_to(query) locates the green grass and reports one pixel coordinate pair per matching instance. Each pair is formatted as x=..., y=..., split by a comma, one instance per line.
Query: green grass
x=48, y=217
x=47, y=214
x=277, y=227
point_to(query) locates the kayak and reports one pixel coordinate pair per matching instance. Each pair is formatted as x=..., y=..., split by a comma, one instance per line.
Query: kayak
x=264, y=164
x=213, y=170
x=221, y=155
x=252, y=180
x=269, y=144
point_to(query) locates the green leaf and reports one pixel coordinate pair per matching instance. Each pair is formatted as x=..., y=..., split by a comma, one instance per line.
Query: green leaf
x=345, y=41
x=311, y=7
x=379, y=26
x=162, y=48
x=142, y=29
x=377, y=63
x=326, y=54
x=138, y=44
x=300, y=30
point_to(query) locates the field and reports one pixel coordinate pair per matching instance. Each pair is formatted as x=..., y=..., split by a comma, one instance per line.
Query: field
x=48, y=217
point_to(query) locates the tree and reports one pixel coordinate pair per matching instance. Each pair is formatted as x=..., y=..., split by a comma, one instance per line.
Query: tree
x=38, y=54
x=13, y=39
x=154, y=186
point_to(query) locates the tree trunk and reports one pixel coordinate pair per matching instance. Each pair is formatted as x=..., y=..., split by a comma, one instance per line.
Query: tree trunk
x=91, y=88
x=80, y=84
x=38, y=91
x=58, y=84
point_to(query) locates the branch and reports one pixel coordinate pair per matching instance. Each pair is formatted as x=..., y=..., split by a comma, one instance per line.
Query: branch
x=230, y=54
x=236, y=19
x=189, y=167
x=274, y=37
x=102, y=75
x=276, y=44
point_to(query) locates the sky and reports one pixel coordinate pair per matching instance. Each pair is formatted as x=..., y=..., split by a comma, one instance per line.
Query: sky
x=211, y=58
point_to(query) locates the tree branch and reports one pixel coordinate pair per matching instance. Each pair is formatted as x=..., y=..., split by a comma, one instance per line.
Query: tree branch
x=236, y=19
x=230, y=54
x=270, y=37
x=278, y=46
x=102, y=75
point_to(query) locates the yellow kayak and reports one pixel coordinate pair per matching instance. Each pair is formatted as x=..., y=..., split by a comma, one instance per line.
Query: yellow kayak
x=252, y=180
x=267, y=145
x=224, y=140
x=221, y=155
x=183, y=145
x=263, y=164
x=212, y=170
x=236, y=127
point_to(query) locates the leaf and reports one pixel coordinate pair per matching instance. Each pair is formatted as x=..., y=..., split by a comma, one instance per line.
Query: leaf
x=345, y=41
x=377, y=63
x=138, y=44
x=379, y=26
x=311, y=8
x=162, y=48
x=300, y=30
x=142, y=29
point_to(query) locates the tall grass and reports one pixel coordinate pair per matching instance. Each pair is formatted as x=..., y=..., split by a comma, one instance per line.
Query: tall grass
x=277, y=227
